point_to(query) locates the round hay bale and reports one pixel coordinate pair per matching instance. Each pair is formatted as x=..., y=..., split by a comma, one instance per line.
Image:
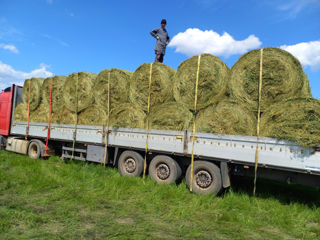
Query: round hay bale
x=306, y=89
x=296, y=120
x=35, y=92
x=62, y=115
x=119, y=87
x=213, y=78
x=161, y=85
x=40, y=114
x=283, y=78
x=57, y=92
x=170, y=116
x=226, y=117
x=21, y=112
x=76, y=101
x=127, y=115
x=93, y=115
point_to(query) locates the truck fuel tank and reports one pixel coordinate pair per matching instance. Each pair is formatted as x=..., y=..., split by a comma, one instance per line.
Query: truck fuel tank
x=17, y=145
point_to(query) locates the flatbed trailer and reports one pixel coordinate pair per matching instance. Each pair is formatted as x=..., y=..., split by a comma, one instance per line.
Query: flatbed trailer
x=217, y=156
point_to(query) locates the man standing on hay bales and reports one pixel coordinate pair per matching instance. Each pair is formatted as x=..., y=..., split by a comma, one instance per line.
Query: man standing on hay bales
x=162, y=37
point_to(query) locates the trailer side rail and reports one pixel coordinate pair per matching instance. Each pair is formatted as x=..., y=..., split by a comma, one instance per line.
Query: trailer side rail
x=237, y=149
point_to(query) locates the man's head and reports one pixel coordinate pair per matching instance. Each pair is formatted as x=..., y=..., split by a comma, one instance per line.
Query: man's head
x=163, y=23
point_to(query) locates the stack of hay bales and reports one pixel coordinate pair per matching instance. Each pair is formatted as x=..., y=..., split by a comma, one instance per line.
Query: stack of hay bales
x=283, y=78
x=296, y=120
x=287, y=108
x=227, y=100
x=70, y=96
x=212, y=83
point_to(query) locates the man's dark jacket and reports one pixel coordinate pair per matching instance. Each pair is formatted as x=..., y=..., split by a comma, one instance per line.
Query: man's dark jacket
x=162, y=41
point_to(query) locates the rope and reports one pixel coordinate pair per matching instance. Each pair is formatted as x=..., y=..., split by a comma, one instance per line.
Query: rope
x=194, y=122
x=49, y=121
x=258, y=126
x=147, y=127
x=76, y=122
x=28, y=121
x=108, y=107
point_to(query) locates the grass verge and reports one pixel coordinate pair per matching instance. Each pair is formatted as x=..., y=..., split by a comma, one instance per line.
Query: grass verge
x=50, y=199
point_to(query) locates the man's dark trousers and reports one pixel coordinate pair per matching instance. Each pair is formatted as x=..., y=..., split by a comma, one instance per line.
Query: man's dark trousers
x=159, y=57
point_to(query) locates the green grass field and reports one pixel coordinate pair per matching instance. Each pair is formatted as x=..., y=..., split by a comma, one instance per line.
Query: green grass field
x=50, y=199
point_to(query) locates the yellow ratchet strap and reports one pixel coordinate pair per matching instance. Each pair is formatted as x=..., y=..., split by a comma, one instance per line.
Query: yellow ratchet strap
x=28, y=122
x=258, y=126
x=194, y=122
x=147, y=127
x=76, y=122
x=108, y=117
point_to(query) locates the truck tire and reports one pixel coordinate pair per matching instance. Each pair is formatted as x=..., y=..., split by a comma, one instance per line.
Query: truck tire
x=164, y=169
x=130, y=164
x=206, y=178
x=34, y=150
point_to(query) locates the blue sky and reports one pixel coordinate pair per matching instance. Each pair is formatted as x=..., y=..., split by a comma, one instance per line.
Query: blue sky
x=45, y=37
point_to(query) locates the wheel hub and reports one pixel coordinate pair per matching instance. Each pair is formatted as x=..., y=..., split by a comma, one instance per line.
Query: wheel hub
x=203, y=179
x=34, y=150
x=163, y=171
x=130, y=165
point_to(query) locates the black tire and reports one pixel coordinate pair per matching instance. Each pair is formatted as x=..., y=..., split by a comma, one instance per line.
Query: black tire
x=34, y=150
x=206, y=178
x=179, y=169
x=130, y=164
x=164, y=169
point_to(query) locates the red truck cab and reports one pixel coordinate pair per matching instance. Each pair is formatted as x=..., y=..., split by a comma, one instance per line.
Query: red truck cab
x=6, y=102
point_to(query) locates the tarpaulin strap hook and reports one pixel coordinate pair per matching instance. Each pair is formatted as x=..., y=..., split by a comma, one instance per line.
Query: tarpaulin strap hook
x=258, y=125
x=28, y=120
x=147, y=126
x=76, y=122
x=108, y=121
x=49, y=121
x=194, y=121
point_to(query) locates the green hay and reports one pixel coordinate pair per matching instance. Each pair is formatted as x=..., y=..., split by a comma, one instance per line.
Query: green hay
x=93, y=115
x=57, y=92
x=35, y=92
x=40, y=114
x=84, y=97
x=127, y=115
x=118, y=87
x=63, y=116
x=21, y=112
x=161, y=85
x=213, y=78
x=227, y=117
x=295, y=120
x=170, y=116
x=283, y=78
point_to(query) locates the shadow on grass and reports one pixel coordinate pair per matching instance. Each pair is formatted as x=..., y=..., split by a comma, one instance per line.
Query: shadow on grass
x=266, y=189
x=284, y=193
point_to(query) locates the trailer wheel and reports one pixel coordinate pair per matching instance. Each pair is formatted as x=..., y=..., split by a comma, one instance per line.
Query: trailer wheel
x=164, y=169
x=130, y=163
x=206, y=178
x=34, y=150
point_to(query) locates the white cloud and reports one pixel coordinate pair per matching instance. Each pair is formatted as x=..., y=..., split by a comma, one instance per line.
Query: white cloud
x=294, y=7
x=61, y=42
x=195, y=41
x=308, y=53
x=9, y=47
x=8, y=75
x=8, y=32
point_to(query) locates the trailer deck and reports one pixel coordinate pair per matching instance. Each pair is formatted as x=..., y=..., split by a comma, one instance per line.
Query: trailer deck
x=273, y=153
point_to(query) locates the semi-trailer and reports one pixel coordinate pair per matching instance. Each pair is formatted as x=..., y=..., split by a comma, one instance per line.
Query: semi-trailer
x=217, y=157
